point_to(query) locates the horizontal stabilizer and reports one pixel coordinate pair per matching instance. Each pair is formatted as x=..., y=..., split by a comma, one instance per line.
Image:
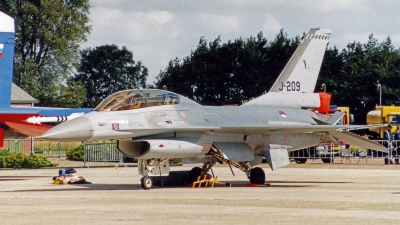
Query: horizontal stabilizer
x=354, y=139
x=335, y=118
x=332, y=120
x=320, y=122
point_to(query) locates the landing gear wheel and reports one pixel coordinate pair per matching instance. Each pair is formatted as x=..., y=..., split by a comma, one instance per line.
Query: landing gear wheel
x=257, y=176
x=301, y=161
x=146, y=182
x=194, y=173
x=177, y=178
x=326, y=160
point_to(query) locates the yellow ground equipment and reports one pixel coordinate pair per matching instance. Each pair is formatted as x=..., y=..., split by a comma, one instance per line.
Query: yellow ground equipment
x=383, y=115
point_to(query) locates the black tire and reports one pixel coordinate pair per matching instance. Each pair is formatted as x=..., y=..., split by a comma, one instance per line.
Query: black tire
x=326, y=160
x=301, y=161
x=178, y=178
x=257, y=176
x=194, y=173
x=146, y=182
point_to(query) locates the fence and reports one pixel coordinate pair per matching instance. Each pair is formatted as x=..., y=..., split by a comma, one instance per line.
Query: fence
x=331, y=153
x=102, y=152
x=107, y=152
x=44, y=148
x=93, y=152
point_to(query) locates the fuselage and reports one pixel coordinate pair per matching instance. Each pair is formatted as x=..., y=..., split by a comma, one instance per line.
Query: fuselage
x=193, y=122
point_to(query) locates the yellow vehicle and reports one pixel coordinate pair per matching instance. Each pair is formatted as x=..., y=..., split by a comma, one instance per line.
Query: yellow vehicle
x=383, y=115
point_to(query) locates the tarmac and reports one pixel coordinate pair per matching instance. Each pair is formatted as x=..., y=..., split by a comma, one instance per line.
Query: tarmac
x=312, y=193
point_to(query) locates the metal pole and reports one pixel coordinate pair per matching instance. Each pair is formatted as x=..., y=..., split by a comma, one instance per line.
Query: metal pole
x=59, y=151
x=323, y=86
x=380, y=94
x=32, y=145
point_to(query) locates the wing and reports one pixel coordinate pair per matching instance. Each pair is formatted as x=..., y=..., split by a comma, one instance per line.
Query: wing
x=338, y=132
x=295, y=128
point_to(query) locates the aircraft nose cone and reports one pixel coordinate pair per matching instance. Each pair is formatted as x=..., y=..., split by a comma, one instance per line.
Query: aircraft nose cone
x=78, y=129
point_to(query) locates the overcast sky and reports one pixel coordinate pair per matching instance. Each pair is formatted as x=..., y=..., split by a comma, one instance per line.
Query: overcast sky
x=157, y=31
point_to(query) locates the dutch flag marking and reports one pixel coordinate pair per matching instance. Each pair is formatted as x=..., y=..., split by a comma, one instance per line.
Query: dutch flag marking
x=282, y=113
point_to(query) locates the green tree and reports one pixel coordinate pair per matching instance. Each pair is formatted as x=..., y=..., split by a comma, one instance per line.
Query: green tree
x=331, y=68
x=48, y=37
x=217, y=73
x=363, y=67
x=228, y=73
x=107, y=69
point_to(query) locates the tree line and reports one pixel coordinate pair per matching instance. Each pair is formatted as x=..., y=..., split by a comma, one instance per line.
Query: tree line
x=218, y=73
x=50, y=66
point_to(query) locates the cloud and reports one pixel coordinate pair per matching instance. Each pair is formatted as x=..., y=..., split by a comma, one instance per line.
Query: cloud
x=348, y=38
x=219, y=23
x=157, y=18
x=271, y=23
x=158, y=31
x=340, y=6
x=129, y=26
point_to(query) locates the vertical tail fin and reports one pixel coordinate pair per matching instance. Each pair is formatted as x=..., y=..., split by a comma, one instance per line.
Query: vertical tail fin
x=299, y=75
x=7, y=40
x=301, y=72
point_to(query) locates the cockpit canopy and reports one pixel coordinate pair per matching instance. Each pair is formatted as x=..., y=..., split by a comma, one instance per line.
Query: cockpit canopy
x=135, y=99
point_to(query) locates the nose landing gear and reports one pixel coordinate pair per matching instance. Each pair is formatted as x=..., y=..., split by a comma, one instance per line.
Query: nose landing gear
x=146, y=182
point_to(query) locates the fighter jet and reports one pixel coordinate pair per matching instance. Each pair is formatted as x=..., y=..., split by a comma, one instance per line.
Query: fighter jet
x=156, y=125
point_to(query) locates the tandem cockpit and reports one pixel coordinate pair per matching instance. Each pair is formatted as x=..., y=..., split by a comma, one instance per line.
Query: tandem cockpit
x=137, y=98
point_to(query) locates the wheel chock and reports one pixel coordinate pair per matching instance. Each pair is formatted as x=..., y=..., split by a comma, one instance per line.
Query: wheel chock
x=215, y=181
x=199, y=181
x=206, y=181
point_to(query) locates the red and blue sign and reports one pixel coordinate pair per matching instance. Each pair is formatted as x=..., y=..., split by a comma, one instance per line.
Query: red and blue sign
x=282, y=113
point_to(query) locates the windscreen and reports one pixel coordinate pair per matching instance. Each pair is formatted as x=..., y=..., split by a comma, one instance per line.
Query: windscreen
x=135, y=99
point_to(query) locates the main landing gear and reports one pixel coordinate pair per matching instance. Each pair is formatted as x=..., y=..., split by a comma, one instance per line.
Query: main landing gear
x=194, y=173
x=175, y=178
x=256, y=175
x=156, y=172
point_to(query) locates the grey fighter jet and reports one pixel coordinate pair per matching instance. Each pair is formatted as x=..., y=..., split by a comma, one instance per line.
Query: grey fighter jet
x=156, y=125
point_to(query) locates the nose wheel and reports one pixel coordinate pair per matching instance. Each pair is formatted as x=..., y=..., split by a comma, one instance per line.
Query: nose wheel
x=146, y=182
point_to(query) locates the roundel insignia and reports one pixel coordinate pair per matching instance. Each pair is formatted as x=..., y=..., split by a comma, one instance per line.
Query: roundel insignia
x=282, y=113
